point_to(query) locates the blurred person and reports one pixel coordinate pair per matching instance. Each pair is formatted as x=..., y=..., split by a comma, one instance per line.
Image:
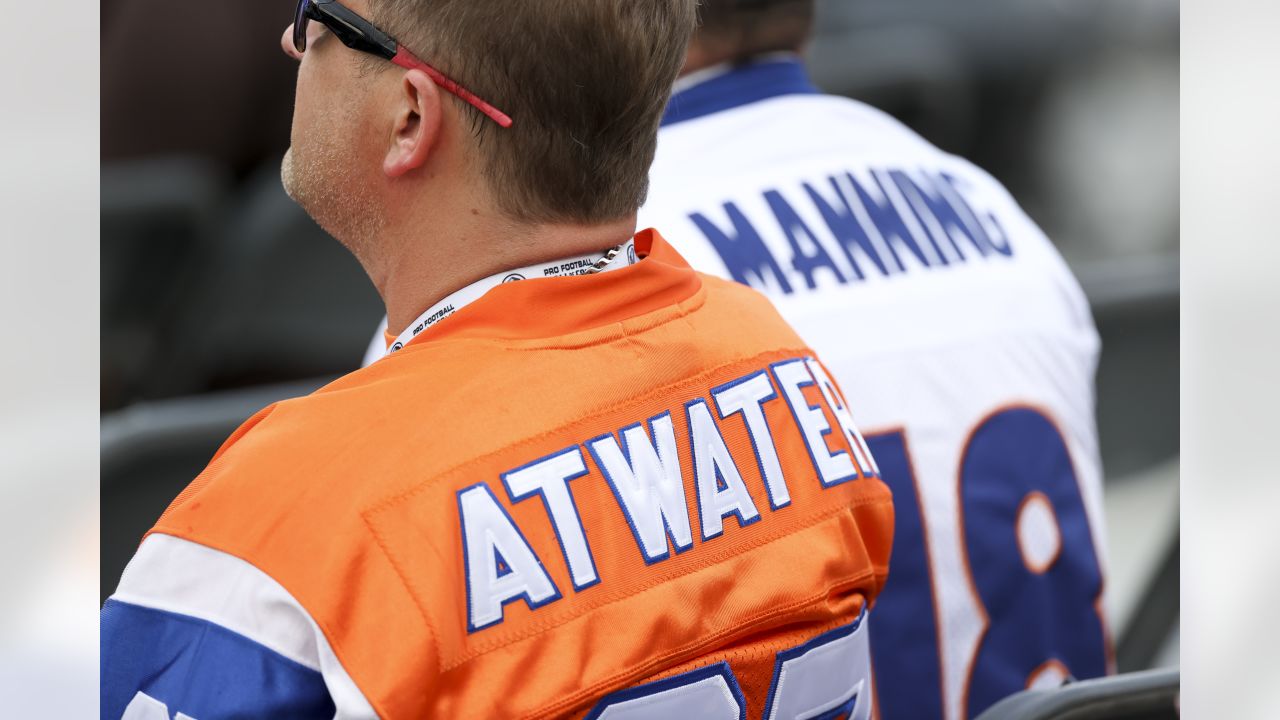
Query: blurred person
x=585, y=479
x=949, y=317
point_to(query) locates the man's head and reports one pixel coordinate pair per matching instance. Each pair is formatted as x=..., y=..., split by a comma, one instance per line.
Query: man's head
x=736, y=30
x=584, y=82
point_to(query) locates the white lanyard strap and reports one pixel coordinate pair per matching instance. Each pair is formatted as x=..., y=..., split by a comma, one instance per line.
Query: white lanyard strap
x=617, y=257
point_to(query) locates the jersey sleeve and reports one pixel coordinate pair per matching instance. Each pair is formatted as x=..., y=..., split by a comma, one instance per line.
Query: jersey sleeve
x=195, y=633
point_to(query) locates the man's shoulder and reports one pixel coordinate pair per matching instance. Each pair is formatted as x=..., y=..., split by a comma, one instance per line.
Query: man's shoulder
x=818, y=196
x=814, y=144
x=273, y=460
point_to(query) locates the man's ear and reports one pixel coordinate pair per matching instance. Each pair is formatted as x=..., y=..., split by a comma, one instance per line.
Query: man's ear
x=416, y=125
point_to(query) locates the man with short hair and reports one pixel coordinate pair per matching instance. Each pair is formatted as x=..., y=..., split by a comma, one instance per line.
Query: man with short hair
x=950, y=318
x=585, y=480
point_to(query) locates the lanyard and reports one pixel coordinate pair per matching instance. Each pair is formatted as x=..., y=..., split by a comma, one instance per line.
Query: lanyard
x=581, y=265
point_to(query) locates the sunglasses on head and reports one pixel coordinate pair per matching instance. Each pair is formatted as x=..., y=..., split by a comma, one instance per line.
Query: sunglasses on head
x=359, y=34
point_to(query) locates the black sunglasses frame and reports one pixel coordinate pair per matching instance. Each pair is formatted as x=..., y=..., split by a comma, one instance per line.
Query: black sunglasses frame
x=359, y=34
x=352, y=30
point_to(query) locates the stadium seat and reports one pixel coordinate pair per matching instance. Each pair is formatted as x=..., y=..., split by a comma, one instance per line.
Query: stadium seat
x=157, y=217
x=1135, y=305
x=1150, y=695
x=281, y=300
x=965, y=75
x=151, y=451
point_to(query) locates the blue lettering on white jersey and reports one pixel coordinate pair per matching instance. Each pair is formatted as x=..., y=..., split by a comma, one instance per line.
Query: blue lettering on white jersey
x=939, y=216
x=807, y=254
x=888, y=221
x=744, y=253
x=845, y=227
x=900, y=222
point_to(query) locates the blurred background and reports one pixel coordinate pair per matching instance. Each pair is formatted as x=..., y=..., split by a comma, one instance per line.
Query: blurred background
x=220, y=296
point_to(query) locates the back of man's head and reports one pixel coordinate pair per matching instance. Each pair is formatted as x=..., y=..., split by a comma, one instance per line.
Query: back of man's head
x=736, y=30
x=585, y=82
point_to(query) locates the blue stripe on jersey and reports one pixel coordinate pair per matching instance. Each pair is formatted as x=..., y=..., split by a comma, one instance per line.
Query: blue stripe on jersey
x=201, y=669
x=740, y=86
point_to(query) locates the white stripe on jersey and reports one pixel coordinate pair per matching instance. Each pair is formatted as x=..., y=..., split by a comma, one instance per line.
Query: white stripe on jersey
x=182, y=577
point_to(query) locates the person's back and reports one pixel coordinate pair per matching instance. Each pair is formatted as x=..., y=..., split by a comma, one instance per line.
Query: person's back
x=967, y=349
x=596, y=517
x=628, y=490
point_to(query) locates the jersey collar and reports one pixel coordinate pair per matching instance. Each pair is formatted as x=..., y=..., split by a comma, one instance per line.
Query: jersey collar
x=558, y=306
x=623, y=255
x=729, y=86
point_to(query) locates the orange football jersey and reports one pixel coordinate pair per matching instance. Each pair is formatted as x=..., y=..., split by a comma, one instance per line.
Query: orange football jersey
x=576, y=496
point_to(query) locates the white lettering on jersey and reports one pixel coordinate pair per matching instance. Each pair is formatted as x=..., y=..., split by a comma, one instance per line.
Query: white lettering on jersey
x=832, y=468
x=748, y=396
x=642, y=465
x=824, y=674
x=861, y=455
x=145, y=707
x=826, y=677
x=718, y=482
x=549, y=478
x=647, y=481
x=501, y=566
x=708, y=696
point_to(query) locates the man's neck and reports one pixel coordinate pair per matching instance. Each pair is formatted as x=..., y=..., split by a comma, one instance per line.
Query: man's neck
x=421, y=264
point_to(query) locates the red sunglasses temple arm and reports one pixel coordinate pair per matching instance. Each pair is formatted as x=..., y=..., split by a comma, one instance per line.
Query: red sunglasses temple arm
x=406, y=60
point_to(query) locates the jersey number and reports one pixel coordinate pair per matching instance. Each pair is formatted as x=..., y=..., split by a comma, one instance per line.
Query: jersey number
x=1036, y=587
x=825, y=678
x=145, y=707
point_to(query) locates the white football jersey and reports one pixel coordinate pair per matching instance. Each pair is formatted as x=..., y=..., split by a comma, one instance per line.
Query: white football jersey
x=966, y=349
